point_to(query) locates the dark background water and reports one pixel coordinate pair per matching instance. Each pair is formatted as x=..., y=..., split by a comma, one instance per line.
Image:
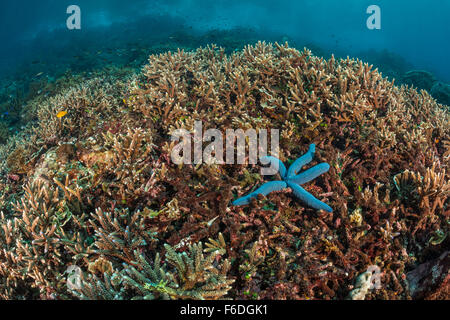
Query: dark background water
x=415, y=34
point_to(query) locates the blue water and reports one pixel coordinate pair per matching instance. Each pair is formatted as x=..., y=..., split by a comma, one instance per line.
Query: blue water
x=413, y=34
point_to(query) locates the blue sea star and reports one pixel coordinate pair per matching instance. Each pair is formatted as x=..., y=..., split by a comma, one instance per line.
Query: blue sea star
x=293, y=179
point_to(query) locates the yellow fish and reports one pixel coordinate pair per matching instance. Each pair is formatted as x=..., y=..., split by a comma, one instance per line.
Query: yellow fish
x=61, y=114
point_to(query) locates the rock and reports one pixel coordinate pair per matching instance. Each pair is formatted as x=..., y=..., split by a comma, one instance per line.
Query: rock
x=420, y=79
x=431, y=280
x=441, y=92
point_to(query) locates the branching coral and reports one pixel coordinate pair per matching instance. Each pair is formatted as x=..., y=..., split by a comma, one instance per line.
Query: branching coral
x=37, y=242
x=191, y=276
x=119, y=234
x=96, y=289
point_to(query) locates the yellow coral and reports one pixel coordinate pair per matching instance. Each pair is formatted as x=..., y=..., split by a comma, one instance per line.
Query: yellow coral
x=101, y=265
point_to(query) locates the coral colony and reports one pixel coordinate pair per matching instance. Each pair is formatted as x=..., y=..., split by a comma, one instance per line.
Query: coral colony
x=213, y=152
x=292, y=179
x=93, y=207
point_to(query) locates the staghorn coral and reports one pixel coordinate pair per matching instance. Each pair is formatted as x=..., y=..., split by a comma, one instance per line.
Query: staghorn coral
x=119, y=234
x=127, y=160
x=99, y=190
x=36, y=242
x=192, y=276
x=95, y=289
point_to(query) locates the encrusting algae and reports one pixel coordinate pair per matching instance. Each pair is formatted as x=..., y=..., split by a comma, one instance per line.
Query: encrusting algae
x=98, y=190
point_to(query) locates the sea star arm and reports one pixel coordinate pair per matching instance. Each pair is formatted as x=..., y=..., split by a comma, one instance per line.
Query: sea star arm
x=300, y=162
x=308, y=198
x=265, y=189
x=310, y=174
x=277, y=163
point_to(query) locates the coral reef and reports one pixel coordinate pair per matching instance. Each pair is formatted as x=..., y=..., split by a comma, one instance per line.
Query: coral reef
x=420, y=79
x=441, y=92
x=425, y=80
x=96, y=191
x=195, y=277
x=431, y=280
x=4, y=132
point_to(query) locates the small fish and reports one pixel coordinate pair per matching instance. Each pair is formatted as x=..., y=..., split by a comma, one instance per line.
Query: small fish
x=61, y=114
x=39, y=74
